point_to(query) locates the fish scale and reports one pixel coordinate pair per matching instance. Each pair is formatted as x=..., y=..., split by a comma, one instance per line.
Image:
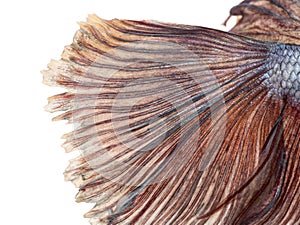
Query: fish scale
x=283, y=76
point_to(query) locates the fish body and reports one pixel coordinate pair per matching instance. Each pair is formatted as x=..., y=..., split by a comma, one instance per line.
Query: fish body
x=283, y=76
x=180, y=124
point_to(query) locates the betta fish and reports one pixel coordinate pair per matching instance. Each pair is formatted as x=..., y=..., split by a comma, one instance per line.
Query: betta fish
x=179, y=124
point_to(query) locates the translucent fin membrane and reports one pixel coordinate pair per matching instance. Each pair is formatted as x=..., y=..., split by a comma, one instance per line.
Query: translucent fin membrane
x=175, y=126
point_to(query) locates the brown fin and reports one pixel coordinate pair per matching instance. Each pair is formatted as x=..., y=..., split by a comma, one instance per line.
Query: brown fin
x=275, y=21
x=173, y=123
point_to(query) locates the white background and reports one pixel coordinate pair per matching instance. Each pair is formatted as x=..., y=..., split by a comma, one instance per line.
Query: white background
x=32, y=188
